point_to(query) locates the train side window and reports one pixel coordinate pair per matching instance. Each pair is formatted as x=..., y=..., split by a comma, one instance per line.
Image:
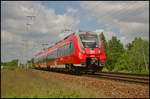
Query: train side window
x=39, y=60
x=49, y=56
x=63, y=51
x=67, y=48
x=55, y=54
x=34, y=60
x=43, y=58
x=71, y=47
x=58, y=52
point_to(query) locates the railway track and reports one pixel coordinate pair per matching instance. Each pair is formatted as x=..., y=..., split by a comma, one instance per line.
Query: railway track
x=125, y=77
x=128, y=77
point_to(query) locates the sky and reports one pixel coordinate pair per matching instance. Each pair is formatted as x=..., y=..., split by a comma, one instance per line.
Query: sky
x=27, y=25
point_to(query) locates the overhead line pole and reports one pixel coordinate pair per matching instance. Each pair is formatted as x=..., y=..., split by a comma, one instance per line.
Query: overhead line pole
x=31, y=17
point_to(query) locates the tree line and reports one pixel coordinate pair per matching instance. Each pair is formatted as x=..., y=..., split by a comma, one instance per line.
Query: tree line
x=15, y=63
x=133, y=57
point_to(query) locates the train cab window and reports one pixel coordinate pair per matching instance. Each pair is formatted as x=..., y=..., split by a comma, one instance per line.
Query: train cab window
x=89, y=40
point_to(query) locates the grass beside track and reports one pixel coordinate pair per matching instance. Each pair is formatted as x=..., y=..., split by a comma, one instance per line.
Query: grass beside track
x=24, y=83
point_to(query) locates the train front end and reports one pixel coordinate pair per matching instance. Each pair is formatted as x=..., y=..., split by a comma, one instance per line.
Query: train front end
x=91, y=51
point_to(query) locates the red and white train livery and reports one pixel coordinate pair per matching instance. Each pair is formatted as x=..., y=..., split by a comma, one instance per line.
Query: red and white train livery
x=80, y=51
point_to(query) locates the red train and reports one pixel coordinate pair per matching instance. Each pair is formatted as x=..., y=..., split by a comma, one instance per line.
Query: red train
x=80, y=51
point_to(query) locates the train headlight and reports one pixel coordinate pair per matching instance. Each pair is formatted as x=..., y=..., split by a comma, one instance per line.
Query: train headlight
x=99, y=50
x=83, y=50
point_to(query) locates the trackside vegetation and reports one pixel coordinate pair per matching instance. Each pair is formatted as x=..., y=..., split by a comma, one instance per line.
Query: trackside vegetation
x=29, y=83
x=131, y=58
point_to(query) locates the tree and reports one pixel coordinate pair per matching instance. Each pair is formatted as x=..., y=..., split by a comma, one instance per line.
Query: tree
x=136, y=57
x=129, y=46
x=102, y=38
x=139, y=54
x=113, y=52
x=13, y=63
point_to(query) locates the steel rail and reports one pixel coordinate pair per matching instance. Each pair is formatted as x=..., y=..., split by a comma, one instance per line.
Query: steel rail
x=125, y=77
x=124, y=73
x=121, y=77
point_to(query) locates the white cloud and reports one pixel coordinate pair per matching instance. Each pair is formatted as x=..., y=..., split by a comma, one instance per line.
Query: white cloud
x=99, y=30
x=45, y=26
x=7, y=36
x=130, y=18
x=108, y=35
x=72, y=10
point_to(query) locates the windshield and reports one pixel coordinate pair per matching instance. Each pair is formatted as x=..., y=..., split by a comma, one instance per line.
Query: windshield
x=89, y=40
